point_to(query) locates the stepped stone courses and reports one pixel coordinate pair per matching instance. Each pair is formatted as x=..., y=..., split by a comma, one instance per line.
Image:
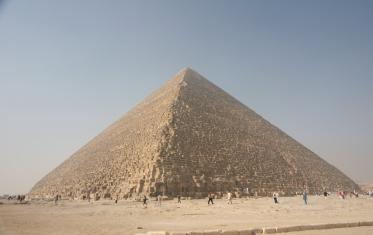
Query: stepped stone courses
x=190, y=137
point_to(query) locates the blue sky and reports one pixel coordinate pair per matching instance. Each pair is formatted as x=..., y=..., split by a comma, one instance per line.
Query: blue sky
x=70, y=68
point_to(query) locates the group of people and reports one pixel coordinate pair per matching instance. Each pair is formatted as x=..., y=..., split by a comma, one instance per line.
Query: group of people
x=276, y=197
x=210, y=197
x=57, y=198
x=19, y=198
x=159, y=200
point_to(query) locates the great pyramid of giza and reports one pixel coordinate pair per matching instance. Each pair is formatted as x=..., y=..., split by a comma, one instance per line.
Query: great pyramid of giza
x=189, y=138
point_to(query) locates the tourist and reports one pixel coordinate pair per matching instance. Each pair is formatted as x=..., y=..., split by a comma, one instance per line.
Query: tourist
x=305, y=197
x=275, y=197
x=178, y=199
x=325, y=194
x=229, y=197
x=116, y=199
x=159, y=199
x=144, y=201
x=55, y=199
x=211, y=199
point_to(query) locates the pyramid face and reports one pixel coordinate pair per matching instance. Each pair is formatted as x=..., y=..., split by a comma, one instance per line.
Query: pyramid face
x=189, y=138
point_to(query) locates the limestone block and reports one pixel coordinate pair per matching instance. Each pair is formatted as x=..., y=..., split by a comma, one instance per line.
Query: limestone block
x=179, y=233
x=231, y=232
x=366, y=223
x=157, y=233
x=269, y=230
x=196, y=233
x=213, y=232
x=257, y=231
x=288, y=229
x=353, y=224
x=247, y=232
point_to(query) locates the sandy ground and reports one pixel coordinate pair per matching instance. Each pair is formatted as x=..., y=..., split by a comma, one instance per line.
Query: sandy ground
x=129, y=217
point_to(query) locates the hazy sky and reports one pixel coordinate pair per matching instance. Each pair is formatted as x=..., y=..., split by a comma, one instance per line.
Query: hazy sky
x=68, y=69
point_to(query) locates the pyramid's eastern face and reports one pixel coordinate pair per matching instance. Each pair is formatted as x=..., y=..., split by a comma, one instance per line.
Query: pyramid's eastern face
x=190, y=137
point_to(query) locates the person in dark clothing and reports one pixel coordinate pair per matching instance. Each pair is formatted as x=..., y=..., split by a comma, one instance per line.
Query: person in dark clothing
x=275, y=197
x=305, y=197
x=144, y=202
x=211, y=199
x=178, y=199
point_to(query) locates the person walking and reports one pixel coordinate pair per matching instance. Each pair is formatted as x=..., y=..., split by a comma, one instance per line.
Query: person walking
x=305, y=197
x=159, y=199
x=211, y=199
x=275, y=197
x=56, y=199
x=144, y=201
x=229, y=197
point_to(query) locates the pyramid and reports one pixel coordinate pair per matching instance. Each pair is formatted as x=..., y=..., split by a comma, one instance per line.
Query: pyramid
x=189, y=138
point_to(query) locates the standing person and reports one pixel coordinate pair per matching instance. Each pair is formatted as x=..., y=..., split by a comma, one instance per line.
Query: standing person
x=55, y=199
x=211, y=199
x=229, y=197
x=144, y=202
x=89, y=196
x=275, y=197
x=159, y=198
x=325, y=194
x=116, y=199
x=178, y=199
x=305, y=197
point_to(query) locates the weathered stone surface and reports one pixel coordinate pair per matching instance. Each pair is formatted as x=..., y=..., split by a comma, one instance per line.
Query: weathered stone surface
x=190, y=137
x=231, y=232
x=157, y=233
x=247, y=232
x=269, y=230
x=212, y=232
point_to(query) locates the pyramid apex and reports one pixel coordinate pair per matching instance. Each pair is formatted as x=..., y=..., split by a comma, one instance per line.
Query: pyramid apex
x=188, y=73
x=186, y=69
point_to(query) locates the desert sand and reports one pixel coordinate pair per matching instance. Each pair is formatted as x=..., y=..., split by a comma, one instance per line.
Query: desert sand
x=129, y=217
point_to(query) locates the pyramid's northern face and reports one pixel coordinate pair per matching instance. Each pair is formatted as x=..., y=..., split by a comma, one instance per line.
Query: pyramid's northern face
x=189, y=138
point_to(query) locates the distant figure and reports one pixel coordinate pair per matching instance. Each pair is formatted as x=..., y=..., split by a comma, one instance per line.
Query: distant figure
x=325, y=194
x=275, y=197
x=56, y=199
x=178, y=199
x=145, y=201
x=211, y=199
x=229, y=197
x=159, y=199
x=116, y=199
x=305, y=197
x=89, y=196
x=341, y=194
